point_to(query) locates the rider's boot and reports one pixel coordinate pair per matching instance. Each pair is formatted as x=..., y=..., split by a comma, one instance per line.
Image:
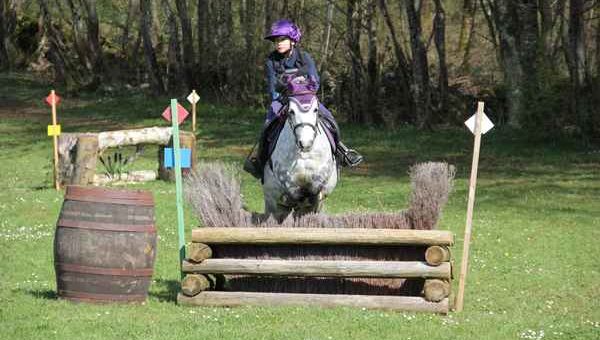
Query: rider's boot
x=348, y=157
x=253, y=163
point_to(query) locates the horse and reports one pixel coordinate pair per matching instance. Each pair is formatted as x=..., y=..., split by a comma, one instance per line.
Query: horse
x=302, y=170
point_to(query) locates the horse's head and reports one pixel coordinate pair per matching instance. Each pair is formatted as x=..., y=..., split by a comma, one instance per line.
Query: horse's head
x=303, y=111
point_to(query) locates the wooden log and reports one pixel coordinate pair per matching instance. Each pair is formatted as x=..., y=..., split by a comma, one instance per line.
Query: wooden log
x=187, y=140
x=435, y=255
x=436, y=290
x=67, y=143
x=199, y=252
x=358, y=236
x=85, y=160
x=232, y=299
x=137, y=176
x=152, y=135
x=193, y=284
x=391, y=269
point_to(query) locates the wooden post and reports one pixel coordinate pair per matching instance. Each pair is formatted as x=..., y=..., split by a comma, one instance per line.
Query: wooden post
x=85, y=160
x=194, y=114
x=458, y=306
x=55, y=138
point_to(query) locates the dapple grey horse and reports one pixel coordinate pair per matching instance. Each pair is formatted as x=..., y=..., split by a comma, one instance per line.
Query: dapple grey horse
x=302, y=171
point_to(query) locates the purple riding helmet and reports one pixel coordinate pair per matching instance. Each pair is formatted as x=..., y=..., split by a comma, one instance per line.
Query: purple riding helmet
x=285, y=28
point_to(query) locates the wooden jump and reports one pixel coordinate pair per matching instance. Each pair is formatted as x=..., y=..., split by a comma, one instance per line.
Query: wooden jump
x=379, y=269
x=353, y=236
x=232, y=299
x=204, y=271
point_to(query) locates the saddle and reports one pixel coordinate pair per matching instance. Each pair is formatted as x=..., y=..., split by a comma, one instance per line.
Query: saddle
x=257, y=159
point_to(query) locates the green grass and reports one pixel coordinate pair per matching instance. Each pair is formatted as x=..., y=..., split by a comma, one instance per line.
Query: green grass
x=533, y=273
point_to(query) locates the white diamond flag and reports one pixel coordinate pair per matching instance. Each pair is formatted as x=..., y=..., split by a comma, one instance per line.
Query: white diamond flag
x=486, y=123
x=193, y=98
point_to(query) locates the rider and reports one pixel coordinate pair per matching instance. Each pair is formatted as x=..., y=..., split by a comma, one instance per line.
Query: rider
x=287, y=55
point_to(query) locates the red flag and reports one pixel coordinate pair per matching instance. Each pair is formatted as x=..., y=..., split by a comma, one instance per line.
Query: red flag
x=49, y=99
x=181, y=113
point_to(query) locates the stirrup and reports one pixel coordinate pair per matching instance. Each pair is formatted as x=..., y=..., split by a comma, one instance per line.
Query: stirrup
x=351, y=158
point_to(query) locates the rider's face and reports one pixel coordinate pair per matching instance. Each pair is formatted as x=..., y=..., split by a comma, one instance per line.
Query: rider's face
x=282, y=44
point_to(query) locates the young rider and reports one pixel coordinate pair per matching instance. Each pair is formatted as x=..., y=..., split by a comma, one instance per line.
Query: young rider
x=286, y=56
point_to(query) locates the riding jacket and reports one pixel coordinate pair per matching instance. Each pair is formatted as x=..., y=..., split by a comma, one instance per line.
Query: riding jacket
x=277, y=63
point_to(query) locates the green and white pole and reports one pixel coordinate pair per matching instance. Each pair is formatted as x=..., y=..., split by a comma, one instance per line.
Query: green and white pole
x=178, y=186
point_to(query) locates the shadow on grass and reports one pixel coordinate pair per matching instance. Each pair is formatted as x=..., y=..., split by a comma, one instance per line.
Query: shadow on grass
x=165, y=290
x=42, y=294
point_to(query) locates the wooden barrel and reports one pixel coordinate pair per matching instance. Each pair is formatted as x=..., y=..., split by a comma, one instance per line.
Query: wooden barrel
x=105, y=245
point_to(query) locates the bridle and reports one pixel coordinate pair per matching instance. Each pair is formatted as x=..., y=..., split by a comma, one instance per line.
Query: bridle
x=295, y=127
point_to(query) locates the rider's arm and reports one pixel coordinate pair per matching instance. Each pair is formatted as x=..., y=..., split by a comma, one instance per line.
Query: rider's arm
x=311, y=69
x=271, y=79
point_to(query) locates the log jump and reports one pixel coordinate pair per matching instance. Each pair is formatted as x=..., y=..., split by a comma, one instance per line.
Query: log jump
x=79, y=152
x=210, y=265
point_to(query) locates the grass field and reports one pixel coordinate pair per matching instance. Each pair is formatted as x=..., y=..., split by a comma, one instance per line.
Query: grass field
x=533, y=273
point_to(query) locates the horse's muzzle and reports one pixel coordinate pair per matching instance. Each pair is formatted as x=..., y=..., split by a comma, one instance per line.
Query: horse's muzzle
x=305, y=136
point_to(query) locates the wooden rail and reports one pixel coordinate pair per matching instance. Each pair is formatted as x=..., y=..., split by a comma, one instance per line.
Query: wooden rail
x=354, y=236
x=232, y=299
x=390, y=269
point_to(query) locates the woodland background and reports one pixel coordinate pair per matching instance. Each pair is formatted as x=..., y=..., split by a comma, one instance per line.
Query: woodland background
x=382, y=62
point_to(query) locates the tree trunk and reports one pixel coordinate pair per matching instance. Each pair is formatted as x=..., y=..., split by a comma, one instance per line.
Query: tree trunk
x=149, y=52
x=269, y=11
x=203, y=48
x=174, y=84
x=4, y=61
x=467, y=31
x=249, y=26
x=356, y=90
x=576, y=45
x=54, y=53
x=464, y=25
x=189, y=57
x=504, y=22
x=326, y=36
x=439, y=27
x=420, y=84
x=78, y=41
x=399, y=52
x=131, y=6
x=373, y=114
x=577, y=63
x=93, y=39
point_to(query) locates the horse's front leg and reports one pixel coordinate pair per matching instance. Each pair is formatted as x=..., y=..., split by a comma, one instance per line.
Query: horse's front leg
x=273, y=207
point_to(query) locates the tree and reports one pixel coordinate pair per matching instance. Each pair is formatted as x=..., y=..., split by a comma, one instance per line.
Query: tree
x=439, y=29
x=420, y=70
x=149, y=52
x=576, y=60
x=515, y=30
x=188, y=44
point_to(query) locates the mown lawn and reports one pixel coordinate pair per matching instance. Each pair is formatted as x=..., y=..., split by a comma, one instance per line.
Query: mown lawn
x=533, y=270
